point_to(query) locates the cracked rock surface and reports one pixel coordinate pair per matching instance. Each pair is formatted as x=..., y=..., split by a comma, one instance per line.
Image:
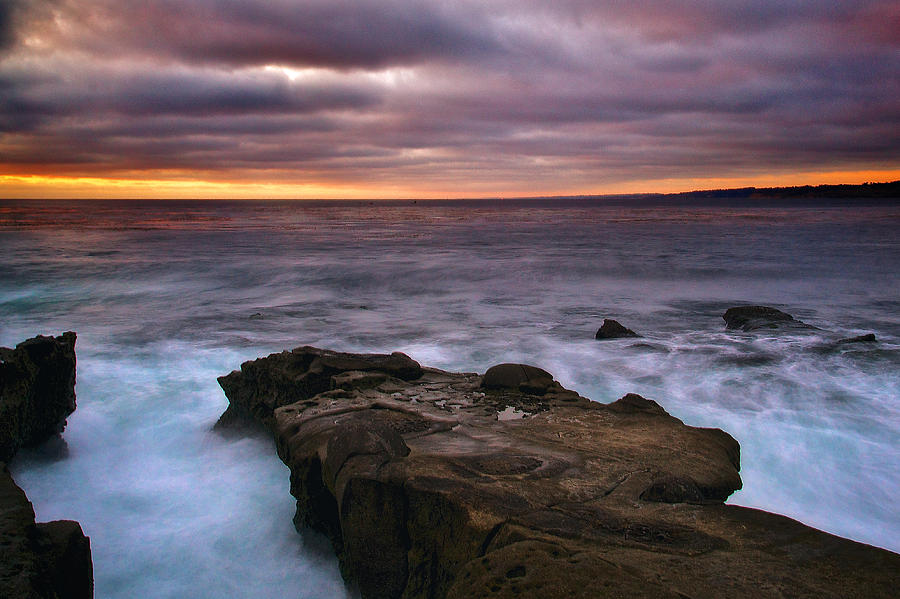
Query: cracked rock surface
x=425, y=492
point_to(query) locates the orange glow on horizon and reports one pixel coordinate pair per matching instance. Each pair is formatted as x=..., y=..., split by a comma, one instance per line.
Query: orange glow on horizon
x=27, y=186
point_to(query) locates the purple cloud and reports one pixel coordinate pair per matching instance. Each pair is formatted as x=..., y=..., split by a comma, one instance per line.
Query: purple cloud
x=523, y=90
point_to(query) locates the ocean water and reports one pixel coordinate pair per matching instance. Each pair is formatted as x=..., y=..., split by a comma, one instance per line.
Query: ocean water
x=166, y=296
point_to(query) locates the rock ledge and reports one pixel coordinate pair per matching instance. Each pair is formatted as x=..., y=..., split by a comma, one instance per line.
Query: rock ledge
x=425, y=491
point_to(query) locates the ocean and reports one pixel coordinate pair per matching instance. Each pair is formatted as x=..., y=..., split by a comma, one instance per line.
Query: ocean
x=168, y=295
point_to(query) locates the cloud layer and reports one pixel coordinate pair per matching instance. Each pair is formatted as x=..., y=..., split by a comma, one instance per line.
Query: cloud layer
x=490, y=97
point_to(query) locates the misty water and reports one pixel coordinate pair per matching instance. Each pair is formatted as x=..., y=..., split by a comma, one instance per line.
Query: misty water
x=167, y=296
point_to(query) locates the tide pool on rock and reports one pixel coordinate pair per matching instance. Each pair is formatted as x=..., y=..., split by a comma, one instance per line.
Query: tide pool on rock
x=163, y=296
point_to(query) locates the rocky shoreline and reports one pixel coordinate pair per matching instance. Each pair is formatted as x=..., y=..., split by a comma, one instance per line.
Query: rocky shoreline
x=449, y=485
x=437, y=484
x=49, y=560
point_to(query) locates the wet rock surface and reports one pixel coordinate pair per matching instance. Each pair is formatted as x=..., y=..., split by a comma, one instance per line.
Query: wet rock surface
x=867, y=338
x=862, y=345
x=45, y=560
x=425, y=492
x=37, y=392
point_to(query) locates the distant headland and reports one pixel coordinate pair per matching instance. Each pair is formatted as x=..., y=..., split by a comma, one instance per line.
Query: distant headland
x=870, y=191
x=865, y=190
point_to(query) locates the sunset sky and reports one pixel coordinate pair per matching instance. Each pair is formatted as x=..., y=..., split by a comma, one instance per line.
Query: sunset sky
x=402, y=98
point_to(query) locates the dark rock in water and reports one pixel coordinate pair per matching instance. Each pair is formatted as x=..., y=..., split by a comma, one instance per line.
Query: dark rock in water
x=654, y=347
x=37, y=391
x=51, y=560
x=840, y=346
x=752, y=318
x=424, y=492
x=611, y=329
x=868, y=338
x=748, y=359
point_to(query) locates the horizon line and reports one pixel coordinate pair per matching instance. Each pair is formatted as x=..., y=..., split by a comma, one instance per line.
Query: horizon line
x=584, y=196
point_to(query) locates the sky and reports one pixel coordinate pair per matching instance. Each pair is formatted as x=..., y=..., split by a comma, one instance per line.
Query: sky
x=432, y=98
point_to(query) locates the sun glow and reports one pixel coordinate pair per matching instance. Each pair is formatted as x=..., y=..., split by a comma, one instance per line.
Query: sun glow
x=37, y=186
x=297, y=74
x=390, y=77
x=27, y=186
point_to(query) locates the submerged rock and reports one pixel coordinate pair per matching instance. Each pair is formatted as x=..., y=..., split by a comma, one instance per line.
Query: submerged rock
x=424, y=492
x=752, y=318
x=37, y=392
x=867, y=338
x=611, y=329
x=863, y=345
x=746, y=359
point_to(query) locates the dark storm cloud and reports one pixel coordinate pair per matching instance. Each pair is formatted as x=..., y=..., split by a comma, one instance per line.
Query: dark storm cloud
x=703, y=19
x=362, y=33
x=426, y=90
x=6, y=29
x=142, y=93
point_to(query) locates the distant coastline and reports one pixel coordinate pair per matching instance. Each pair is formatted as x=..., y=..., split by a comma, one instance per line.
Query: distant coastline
x=886, y=190
x=865, y=190
x=877, y=192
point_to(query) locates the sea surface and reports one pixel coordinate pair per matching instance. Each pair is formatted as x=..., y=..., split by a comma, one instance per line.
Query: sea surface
x=166, y=296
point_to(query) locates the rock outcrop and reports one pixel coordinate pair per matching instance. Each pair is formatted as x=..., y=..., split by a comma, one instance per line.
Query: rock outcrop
x=753, y=318
x=49, y=560
x=425, y=490
x=612, y=329
x=521, y=377
x=263, y=385
x=37, y=391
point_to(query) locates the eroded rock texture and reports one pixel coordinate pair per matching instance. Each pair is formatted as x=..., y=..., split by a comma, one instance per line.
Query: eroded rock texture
x=37, y=391
x=435, y=484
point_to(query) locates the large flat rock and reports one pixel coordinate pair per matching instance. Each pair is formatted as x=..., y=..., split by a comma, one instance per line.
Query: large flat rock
x=430, y=484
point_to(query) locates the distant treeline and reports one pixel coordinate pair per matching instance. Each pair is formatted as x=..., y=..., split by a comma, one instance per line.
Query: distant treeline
x=866, y=190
